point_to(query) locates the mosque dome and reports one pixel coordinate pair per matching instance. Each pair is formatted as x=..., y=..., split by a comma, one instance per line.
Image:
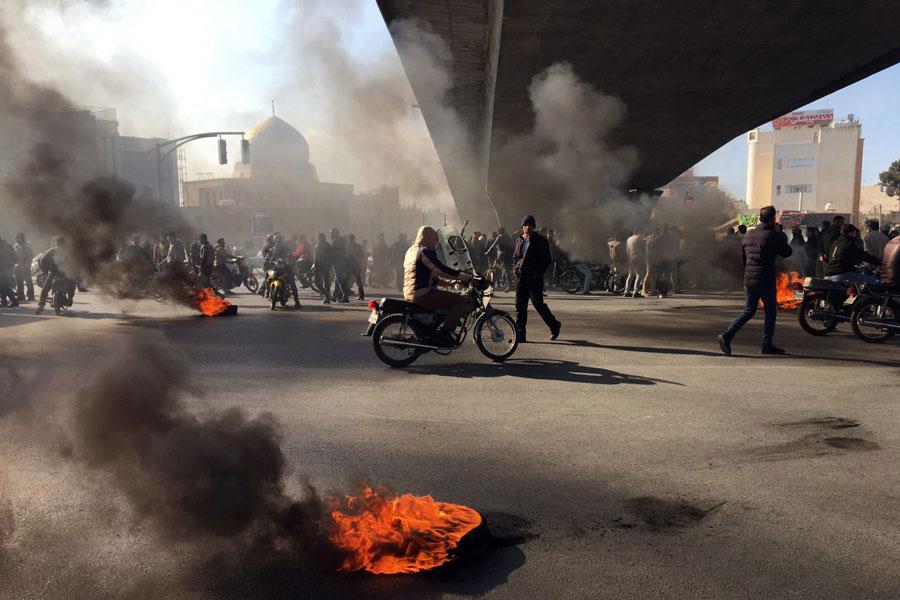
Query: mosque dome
x=276, y=150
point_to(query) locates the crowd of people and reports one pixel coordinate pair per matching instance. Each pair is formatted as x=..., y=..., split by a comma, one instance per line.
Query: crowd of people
x=651, y=260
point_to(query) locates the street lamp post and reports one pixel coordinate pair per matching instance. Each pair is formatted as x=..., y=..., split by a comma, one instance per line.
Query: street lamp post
x=177, y=143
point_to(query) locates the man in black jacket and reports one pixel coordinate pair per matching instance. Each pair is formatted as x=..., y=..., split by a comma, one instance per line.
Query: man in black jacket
x=532, y=257
x=759, y=249
x=845, y=255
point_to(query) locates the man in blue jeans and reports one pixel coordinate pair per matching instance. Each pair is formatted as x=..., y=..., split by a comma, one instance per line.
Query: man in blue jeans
x=759, y=249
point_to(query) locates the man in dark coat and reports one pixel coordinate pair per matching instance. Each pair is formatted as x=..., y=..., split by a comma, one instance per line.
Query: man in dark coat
x=323, y=263
x=531, y=258
x=759, y=249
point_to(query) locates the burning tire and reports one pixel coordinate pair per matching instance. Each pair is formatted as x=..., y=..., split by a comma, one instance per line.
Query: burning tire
x=865, y=321
x=812, y=324
x=496, y=336
x=394, y=328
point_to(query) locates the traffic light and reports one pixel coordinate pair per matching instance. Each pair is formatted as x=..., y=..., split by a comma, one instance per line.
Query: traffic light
x=223, y=152
x=245, y=151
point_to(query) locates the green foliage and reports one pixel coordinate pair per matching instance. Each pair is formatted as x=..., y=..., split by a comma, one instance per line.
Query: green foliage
x=890, y=179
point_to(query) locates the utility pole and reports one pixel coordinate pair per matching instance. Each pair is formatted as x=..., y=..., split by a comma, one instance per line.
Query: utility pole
x=177, y=143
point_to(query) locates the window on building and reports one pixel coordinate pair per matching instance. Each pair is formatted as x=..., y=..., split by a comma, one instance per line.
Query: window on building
x=777, y=190
x=796, y=189
x=779, y=164
x=752, y=135
x=793, y=163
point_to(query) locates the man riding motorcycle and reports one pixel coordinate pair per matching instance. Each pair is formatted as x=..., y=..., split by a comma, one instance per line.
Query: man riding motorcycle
x=844, y=255
x=53, y=263
x=423, y=272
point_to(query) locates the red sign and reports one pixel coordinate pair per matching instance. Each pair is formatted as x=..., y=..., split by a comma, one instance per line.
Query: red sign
x=804, y=118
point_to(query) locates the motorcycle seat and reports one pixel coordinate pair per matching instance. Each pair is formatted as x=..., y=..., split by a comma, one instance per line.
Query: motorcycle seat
x=391, y=306
x=817, y=283
x=877, y=288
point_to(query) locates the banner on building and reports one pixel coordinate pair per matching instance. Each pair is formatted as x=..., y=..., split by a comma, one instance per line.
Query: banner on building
x=804, y=118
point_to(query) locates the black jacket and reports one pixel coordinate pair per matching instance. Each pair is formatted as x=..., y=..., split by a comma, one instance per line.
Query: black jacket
x=828, y=237
x=530, y=267
x=845, y=255
x=759, y=249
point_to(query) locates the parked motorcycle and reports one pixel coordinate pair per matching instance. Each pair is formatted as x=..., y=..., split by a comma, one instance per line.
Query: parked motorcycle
x=276, y=280
x=876, y=318
x=401, y=332
x=572, y=280
x=825, y=304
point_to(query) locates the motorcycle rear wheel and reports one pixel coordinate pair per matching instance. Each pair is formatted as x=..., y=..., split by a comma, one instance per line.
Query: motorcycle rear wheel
x=394, y=326
x=251, y=283
x=813, y=326
x=502, y=337
x=866, y=311
x=571, y=281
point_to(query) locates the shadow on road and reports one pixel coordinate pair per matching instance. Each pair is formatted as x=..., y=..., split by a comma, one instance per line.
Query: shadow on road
x=555, y=370
x=646, y=349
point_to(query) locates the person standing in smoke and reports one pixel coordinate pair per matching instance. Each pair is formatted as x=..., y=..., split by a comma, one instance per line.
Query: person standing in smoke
x=160, y=251
x=759, y=249
x=207, y=260
x=798, y=247
x=7, y=266
x=339, y=262
x=194, y=254
x=636, y=250
x=532, y=258
x=322, y=263
x=177, y=255
x=356, y=265
x=24, y=256
x=811, y=251
x=398, y=255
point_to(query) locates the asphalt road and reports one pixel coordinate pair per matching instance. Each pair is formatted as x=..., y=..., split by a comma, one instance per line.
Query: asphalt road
x=629, y=459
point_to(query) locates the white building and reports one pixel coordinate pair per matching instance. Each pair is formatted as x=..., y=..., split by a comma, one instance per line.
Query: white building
x=808, y=162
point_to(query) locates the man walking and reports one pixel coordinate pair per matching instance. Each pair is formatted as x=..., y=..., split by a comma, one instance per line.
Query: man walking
x=759, y=249
x=531, y=258
x=636, y=250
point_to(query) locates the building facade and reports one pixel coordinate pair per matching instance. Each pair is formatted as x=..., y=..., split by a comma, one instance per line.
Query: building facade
x=808, y=162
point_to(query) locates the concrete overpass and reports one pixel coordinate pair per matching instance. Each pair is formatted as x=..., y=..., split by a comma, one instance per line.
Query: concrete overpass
x=693, y=75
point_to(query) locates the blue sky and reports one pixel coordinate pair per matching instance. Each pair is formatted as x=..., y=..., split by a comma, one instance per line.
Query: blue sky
x=210, y=64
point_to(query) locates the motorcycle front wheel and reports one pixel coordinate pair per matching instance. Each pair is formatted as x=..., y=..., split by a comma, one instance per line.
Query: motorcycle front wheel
x=496, y=336
x=866, y=317
x=274, y=295
x=251, y=283
x=394, y=328
x=615, y=283
x=816, y=325
x=571, y=281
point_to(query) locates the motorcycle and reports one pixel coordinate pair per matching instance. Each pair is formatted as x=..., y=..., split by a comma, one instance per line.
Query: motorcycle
x=876, y=318
x=276, y=280
x=826, y=303
x=62, y=293
x=401, y=332
x=572, y=280
x=238, y=273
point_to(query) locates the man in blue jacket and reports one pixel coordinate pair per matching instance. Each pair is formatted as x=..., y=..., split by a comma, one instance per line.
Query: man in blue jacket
x=759, y=249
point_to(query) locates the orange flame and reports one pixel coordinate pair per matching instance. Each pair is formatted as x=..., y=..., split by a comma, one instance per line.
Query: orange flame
x=785, y=286
x=210, y=304
x=383, y=533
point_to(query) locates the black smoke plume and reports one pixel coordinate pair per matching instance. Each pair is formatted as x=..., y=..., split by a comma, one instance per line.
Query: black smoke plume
x=58, y=190
x=213, y=479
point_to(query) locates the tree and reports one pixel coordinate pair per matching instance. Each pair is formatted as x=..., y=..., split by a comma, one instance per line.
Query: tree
x=890, y=179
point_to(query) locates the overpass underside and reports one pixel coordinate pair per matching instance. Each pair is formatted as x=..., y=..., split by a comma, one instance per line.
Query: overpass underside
x=692, y=75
